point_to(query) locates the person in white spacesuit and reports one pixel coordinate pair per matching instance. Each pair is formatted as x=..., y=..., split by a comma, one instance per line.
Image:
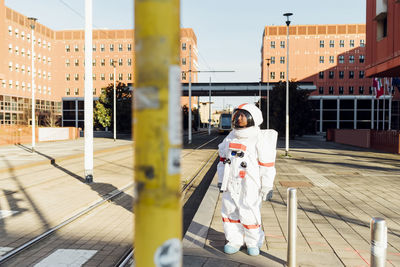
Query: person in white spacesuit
x=246, y=173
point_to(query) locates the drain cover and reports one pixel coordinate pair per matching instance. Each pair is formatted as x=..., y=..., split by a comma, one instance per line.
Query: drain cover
x=296, y=184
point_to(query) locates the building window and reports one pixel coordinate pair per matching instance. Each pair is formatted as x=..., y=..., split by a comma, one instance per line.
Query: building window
x=76, y=48
x=321, y=90
x=17, y=50
x=94, y=48
x=10, y=66
x=120, y=62
x=102, y=47
x=10, y=48
x=341, y=43
x=370, y=90
x=282, y=60
x=331, y=59
x=129, y=76
x=67, y=77
x=351, y=59
x=102, y=76
x=120, y=77
x=361, y=74
x=282, y=44
x=341, y=90
x=321, y=59
x=67, y=91
x=351, y=90
x=49, y=60
x=282, y=75
x=49, y=75
x=76, y=77
x=321, y=43
x=67, y=63
x=67, y=48
x=341, y=74
x=111, y=76
x=94, y=63
x=361, y=90
x=272, y=60
x=183, y=72
x=129, y=62
x=183, y=61
x=351, y=43
x=120, y=48
x=103, y=62
x=94, y=91
x=331, y=74
x=129, y=47
x=272, y=44
x=321, y=74
x=362, y=43
x=94, y=77
x=272, y=75
x=341, y=59
x=183, y=48
x=111, y=47
x=10, y=83
x=332, y=43
x=10, y=30
x=76, y=91
x=76, y=62
x=361, y=58
x=23, y=69
x=331, y=90
x=351, y=74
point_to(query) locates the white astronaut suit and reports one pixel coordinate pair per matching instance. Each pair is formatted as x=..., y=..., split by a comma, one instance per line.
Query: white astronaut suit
x=246, y=173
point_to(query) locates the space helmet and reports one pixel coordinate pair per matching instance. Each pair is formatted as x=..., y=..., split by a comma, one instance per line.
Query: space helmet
x=253, y=115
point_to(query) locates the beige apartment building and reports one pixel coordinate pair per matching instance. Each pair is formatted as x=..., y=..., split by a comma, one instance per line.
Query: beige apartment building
x=59, y=66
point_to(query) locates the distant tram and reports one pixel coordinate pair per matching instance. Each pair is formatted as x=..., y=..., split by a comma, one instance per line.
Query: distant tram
x=225, y=123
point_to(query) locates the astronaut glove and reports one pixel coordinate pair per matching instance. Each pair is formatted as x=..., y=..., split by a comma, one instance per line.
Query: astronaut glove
x=219, y=187
x=266, y=193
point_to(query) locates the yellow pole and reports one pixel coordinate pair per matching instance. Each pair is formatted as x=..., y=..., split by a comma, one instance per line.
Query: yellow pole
x=157, y=132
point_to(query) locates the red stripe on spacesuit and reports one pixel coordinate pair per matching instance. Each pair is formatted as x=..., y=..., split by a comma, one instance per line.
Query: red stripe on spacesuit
x=230, y=220
x=242, y=105
x=268, y=164
x=251, y=226
x=222, y=159
x=237, y=146
x=242, y=174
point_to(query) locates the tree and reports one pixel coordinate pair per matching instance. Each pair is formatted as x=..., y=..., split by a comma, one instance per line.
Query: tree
x=301, y=115
x=103, y=110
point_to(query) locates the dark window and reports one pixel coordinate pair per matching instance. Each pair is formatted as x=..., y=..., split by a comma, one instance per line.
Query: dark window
x=184, y=48
x=321, y=90
x=341, y=74
x=332, y=43
x=341, y=59
x=282, y=44
x=361, y=90
x=351, y=74
x=272, y=75
x=183, y=74
x=272, y=60
x=321, y=59
x=351, y=43
x=282, y=75
x=361, y=74
x=321, y=74
x=362, y=43
x=321, y=43
x=362, y=58
x=341, y=44
x=370, y=90
x=351, y=90
x=351, y=59
x=331, y=74
x=331, y=90
x=272, y=44
x=341, y=90
x=331, y=59
x=282, y=60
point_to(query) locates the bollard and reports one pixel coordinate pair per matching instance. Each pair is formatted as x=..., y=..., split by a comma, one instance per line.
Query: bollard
x=292, y=226
x=378, y=242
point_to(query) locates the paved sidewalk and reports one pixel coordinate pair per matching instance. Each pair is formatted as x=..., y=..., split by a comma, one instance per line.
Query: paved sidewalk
x=339, y=189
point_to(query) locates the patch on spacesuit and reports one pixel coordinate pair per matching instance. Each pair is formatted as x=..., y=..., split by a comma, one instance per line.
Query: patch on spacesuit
x=242, y=174
x=169, y=254
x=237, y=146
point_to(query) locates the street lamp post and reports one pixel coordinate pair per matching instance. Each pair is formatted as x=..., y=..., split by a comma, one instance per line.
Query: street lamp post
x=114, y=105
x=268, y=60
x=287, y=15
x=190, y=97
x=33, y=22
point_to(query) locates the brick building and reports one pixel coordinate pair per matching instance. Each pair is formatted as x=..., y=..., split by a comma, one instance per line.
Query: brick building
x=59, y=67
x=333, y=58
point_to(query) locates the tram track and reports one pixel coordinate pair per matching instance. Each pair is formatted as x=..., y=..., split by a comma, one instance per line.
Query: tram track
x=104, y=199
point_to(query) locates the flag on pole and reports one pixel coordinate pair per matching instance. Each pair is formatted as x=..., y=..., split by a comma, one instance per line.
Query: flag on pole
x=396, y=82
x=388, y=83
x=378, y=85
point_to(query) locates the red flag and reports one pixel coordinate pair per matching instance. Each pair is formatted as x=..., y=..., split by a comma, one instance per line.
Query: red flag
x=377, y=83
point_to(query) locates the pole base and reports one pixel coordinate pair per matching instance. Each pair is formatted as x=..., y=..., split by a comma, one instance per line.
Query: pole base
x=89, y=178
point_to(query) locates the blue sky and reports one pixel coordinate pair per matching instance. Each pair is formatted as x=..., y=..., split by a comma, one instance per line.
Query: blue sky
x=229, y=32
